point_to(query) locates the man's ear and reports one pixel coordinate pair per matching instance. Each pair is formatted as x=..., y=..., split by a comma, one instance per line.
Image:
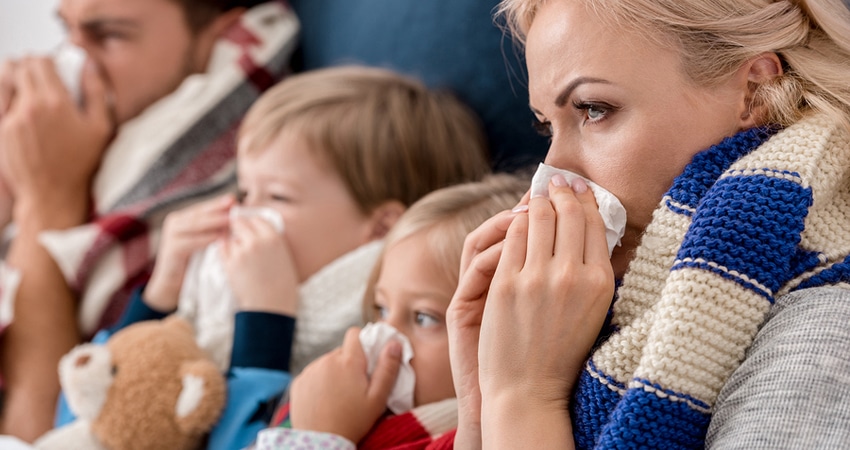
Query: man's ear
x=759, y=69
x=384, y=217
x=223, y=22
x=206, y=37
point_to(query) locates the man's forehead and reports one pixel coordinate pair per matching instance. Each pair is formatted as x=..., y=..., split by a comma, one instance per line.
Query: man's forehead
x=87, y=10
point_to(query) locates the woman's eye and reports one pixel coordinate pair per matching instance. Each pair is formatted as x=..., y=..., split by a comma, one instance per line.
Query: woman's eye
x=593, y=112
x=426, y=320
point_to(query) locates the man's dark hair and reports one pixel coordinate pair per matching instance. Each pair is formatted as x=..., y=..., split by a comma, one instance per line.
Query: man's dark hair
x=199, y=13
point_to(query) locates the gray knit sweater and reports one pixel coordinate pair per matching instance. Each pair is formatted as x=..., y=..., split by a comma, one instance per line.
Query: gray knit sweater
x=793, y=388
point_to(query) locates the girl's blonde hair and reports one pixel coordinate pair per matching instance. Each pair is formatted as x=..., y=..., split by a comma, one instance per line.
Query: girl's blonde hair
x=447, y=216
x=389, y=137
x=715, y=37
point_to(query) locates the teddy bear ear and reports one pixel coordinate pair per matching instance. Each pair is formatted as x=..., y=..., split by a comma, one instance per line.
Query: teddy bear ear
x=202, y=397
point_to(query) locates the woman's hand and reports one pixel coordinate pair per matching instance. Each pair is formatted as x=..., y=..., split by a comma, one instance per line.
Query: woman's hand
x=184, y=232
x=260, y=268
x=50, y=148
x=547, y=302
x=335, y=395
x=481, y=251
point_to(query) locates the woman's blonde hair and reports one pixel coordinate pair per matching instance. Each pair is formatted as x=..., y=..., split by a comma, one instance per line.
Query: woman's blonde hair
x=389, y=137
x=447, y=216
x=811, y=38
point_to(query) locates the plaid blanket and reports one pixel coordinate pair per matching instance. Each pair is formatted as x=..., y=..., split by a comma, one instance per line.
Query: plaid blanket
x=179, y=150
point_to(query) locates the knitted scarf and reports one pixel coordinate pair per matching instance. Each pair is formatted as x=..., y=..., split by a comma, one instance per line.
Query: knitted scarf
x=179, y=150
x=750, y=219
x=423, y=427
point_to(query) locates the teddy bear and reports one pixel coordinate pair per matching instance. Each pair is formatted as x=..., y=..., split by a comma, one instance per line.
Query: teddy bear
x=148, y=387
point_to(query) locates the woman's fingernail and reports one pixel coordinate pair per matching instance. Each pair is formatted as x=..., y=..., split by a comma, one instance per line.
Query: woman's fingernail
x=579, y=186
x=559, y=180
x=520, y=209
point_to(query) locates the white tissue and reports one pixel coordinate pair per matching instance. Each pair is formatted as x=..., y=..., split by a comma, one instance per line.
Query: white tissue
x=270, y=215
x=373, y=338
x=612, y=211
x=69, y=61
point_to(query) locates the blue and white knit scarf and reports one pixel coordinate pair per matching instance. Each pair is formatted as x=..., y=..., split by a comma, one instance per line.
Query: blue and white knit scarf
x=752, y=218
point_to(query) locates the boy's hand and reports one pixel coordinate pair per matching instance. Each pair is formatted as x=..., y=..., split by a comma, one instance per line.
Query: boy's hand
x=334, y=394
x=183, y=233
x=260, y=268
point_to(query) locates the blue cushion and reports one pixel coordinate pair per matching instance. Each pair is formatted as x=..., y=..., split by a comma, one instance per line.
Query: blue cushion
x=449, y=44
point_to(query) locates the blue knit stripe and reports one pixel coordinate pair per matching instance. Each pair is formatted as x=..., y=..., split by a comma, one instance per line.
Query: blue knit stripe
x=750, y=225
x=645, y=421
x=707, y=166
x=837, y=273
x=592, y=403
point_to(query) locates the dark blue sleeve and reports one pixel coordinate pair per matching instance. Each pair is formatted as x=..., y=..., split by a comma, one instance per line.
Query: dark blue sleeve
x=262, y=340
x=137, y=311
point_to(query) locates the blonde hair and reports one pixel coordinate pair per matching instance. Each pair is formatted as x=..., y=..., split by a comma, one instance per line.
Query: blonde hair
x=389, y=137
x=715, y=37
x=447, y=216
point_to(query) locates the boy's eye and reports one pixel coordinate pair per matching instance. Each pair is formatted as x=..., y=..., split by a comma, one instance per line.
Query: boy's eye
x=241, y=195
x=426, y=320
x=381, y=313
x=280, y=198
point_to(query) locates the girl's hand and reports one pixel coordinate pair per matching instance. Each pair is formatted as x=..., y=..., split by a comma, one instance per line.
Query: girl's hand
x=481, y=251
x=547, y=302
x=260, y=268
x=183, y=233
x=334, y=394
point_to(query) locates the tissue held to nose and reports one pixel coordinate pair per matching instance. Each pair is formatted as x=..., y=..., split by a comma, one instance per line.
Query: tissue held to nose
x=612, y=211
x=373, y=338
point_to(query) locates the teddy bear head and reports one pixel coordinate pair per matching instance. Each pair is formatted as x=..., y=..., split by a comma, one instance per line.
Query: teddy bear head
x=150, y=386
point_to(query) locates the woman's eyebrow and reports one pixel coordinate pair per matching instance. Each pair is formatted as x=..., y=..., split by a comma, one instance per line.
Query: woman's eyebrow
x=561, y=99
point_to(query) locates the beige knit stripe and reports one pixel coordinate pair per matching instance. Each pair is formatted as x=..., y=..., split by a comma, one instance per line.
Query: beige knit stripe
x=703, y=327
x=643, y=282
x=724, y=269
x=772, y=173
x=601, y=378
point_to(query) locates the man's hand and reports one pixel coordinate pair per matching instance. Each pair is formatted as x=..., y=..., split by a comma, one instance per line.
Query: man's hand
x=49, y=147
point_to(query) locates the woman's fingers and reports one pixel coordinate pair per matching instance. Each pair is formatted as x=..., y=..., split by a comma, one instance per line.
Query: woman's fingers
x=513, y=256
x=485, y=236
x=596, y=242
x=476, y=280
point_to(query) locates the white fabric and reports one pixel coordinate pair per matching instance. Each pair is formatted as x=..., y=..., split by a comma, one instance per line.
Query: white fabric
x=373, y=338
x=612, y=211
x=329, y=303
x=69, y=61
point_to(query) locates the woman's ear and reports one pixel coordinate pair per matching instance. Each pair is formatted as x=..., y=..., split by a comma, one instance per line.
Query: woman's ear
x=384, y=217
x=760, y=69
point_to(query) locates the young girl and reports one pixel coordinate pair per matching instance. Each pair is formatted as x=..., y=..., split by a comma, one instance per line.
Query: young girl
x=334, y=402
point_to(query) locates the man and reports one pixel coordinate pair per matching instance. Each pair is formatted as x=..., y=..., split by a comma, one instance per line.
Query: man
x=164, y=86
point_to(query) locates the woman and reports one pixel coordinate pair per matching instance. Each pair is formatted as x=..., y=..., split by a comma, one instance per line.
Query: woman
x=722, y=126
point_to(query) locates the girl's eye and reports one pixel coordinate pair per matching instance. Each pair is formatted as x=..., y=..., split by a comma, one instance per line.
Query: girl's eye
x=426, y=320
x=543, y=127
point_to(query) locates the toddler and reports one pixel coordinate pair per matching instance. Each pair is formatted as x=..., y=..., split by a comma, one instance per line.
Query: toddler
x=327, y=161
x=335, y=403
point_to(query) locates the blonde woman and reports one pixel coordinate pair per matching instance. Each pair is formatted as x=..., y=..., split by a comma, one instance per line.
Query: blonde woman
x=724, y=128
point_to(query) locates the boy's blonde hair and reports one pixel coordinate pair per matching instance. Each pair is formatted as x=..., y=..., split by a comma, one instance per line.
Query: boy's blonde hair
x=715, y=37
x=389, y=137
x=447, y=216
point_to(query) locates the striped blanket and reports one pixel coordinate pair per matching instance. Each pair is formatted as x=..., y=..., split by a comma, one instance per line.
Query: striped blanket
x=179, y=150
x=759, y=215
